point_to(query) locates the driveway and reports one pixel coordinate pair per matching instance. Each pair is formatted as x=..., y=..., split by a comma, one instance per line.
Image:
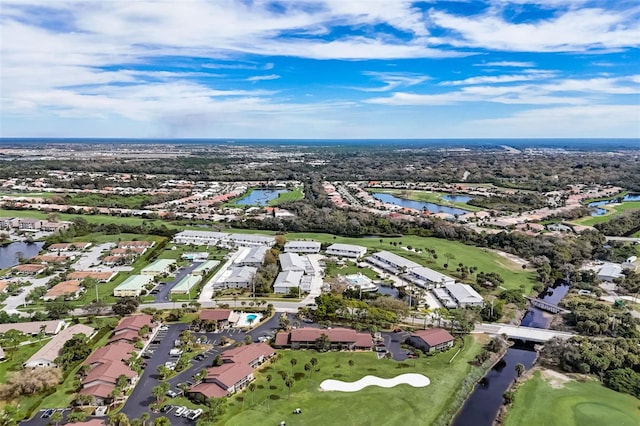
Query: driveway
x=165, y=289
x=91, y=257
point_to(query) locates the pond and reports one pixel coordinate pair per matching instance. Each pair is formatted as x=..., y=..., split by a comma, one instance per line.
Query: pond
x=457, y=198
x=260, y=197
x=600, y=211
x=418, y=205
x=8, y=253
x=388, y=291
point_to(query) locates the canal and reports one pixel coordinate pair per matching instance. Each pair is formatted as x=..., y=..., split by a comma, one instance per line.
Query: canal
x=10, y=254
x=260, y=197
x=482, y=406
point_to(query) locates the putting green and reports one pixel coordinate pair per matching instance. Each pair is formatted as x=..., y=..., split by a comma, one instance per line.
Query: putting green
x=590, y=413
x=571, y=403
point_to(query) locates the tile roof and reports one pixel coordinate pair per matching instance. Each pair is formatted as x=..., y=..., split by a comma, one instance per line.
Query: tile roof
x=228, y=374
x=210, y=390
x=109, y=372
x=247, y=353
x=100, y=276
x=215, y=314
x=50, y=327
x=63, y=287
x=134, y=322
x=51, y=350
x=101, y=390
x=113, y=352
x=282, y=339
x=434, y=336
x=29, y=268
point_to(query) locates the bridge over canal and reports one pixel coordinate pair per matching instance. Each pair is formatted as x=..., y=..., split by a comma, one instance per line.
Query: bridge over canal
x=546, y=306
x=528, y=334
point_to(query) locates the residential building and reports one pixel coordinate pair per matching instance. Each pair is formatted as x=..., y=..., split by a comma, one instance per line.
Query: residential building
x=54, y=226
x=464, y=295
x=70, y=289
x=28, y=224
x=4, y=285
x=411, y=271
x=186, y=284
x=346, y=250
x=610, y=272
x=197, y=238
x=29, y=269
x=205, y=267
x=47, y=355
x=159, y=267
x=251, y=256
x=48, y=327
x=6, y=222
x=286, y=281
x=431, y=340
x=311, y=338
x=135, y=244
x=101, y=277
x=250, y=240
x=196, y=256
x=302, y=247
x=219, y=319
x=128, y=252
x=292, y=262
x=49, y=259
x=69, y=246
x=234, y=374
x=132, y=286
x=239, y=277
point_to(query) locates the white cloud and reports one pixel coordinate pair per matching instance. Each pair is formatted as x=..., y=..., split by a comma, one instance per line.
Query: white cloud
x=497, y=79
x=572, y=31
x=515, y=64
x=590, y=121
x=393, y=80
x=263, y=77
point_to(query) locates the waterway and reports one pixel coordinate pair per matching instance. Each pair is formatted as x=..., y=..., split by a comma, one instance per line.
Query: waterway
x=260, y=197
x=418, y=205
x=388, y=291
x=8, y=253
x=599, y=211
x=482, y=406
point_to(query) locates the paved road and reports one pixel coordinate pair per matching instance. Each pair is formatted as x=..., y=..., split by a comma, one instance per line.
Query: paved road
x=141, y=397
x=165, y=289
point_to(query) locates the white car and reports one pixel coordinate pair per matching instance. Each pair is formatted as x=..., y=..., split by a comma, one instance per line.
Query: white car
x=163, y=328
x=194, y=414
x=179, y=411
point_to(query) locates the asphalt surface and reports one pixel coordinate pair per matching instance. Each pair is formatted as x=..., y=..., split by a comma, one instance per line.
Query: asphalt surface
x=141, y=397
x=165, y=289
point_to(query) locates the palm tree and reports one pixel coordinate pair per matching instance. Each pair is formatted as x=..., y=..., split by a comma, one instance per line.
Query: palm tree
x=252, y=388
x=307, y=367
x=56, y=417
x=350, y=362
x=293, y=363
x=520, y=369
x=144, y=417
x=288, y=383
x=313, y=362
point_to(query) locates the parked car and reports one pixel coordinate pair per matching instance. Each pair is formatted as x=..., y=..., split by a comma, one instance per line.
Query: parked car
x=186, y=412
x=199, y=357
x=194, y=414
x=47, y=413
x=166, y=408
x=179, y=411
x=171, y=394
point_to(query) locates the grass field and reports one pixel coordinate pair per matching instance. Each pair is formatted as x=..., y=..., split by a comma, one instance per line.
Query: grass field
x=98, y=218
x=426, y=196
x=136, y=201
x=485, y=260
x=613, y=211
x=537, y=402
x=270, y=403
x=294, y=195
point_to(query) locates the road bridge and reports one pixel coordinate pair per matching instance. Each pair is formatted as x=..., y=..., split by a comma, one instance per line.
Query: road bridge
x=516, y=332
x=546, y=306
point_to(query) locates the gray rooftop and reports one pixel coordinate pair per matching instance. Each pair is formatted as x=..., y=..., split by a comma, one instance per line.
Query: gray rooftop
x=463, y=293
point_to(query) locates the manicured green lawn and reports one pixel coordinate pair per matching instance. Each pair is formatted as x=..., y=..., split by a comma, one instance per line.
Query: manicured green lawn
x=613, y=211
x=99, y=219
x=15, y=358
x=484, y=259
x=428, y=197
x=294, y=195
x=572, y=404
x=270, y=403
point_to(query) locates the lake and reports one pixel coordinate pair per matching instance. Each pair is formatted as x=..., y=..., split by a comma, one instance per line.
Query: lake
x=457, y=198
x=8, y=253
x=260, y=197
x=598, y=211
x=418, y=205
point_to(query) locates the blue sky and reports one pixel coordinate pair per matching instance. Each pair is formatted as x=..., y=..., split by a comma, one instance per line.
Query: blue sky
x=320, y=68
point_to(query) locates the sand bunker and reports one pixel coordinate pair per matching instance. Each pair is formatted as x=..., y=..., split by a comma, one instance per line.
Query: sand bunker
x=412, y=379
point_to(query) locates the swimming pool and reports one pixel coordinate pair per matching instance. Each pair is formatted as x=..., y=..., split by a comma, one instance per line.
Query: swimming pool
x=248, y=320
